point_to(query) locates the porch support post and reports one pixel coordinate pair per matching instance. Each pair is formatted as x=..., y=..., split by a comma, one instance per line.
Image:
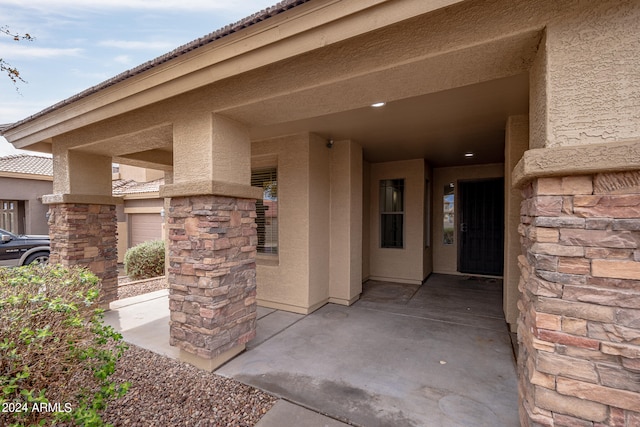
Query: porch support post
x=82, y=217
x=579, y=324
x=516, y=143
x=345, y=262
x=212, y=240
x=579, y=327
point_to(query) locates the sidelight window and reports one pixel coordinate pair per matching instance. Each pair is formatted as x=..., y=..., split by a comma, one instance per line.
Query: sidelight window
x=448, y=203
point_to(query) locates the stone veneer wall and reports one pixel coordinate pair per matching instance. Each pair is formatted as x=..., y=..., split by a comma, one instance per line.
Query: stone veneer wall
x=212, y=273
x=579, y=325
x=85, y=235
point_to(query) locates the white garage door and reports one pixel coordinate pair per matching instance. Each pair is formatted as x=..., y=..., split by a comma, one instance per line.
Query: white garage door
x=144, y=227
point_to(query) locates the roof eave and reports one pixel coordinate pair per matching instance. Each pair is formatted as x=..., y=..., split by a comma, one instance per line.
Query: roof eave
x=249, y=44
x=221, y=33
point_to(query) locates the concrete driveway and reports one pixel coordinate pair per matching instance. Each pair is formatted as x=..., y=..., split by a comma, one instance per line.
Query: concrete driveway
x=435, y=355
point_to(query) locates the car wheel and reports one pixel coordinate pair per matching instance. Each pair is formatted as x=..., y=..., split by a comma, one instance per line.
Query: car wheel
x=37, y=258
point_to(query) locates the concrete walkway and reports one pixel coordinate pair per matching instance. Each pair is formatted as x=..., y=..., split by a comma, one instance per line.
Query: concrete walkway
x=404, y=355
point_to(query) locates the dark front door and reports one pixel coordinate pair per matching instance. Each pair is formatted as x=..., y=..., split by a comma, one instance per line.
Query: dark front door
x=481, y=227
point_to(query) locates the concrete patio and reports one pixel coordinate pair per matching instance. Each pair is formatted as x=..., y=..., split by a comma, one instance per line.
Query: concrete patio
x=404, y=355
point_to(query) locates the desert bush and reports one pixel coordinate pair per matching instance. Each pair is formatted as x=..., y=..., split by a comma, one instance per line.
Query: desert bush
x=145, y=260
x=56, y=355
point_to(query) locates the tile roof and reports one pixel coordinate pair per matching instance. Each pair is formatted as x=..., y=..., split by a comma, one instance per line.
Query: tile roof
x=27, y=164
x=123, y=187
x=225, y=31
x=36, y=165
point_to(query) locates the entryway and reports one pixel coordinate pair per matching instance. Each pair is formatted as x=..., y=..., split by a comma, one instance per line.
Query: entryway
x=481, y=227
x=440, y=358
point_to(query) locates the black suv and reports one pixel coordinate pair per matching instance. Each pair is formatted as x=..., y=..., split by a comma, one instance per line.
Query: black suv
x=23, y=250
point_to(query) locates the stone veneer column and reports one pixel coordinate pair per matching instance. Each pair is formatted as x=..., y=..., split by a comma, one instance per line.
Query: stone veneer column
x=212, y=275
x=85, y=235
x=579, y=325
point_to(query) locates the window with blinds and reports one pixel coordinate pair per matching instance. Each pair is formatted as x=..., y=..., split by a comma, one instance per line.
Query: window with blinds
x=267, y=209
x=392, y=213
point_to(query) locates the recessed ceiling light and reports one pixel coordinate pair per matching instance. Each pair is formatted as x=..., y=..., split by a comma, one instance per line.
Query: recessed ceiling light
x=469, y=154
x=378, y=104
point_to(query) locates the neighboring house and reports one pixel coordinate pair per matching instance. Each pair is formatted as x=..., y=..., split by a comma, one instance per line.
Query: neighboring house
x=24, y=179
x=525, y=111
x=141, y=216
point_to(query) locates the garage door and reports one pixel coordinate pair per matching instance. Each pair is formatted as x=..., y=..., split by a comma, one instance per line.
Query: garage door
x=144, y=227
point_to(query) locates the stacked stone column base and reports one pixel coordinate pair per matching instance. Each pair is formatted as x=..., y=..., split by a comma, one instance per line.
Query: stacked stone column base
x=579, y=325
x=212, y=277
x=85, y=235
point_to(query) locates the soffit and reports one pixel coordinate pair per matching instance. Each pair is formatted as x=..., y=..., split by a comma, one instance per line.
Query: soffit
x=439, y=127
x=155, y=138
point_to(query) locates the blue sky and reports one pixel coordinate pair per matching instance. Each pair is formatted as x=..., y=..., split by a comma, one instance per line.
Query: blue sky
x=80, y=43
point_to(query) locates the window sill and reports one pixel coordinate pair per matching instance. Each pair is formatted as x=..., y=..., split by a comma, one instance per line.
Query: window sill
x=271, y=260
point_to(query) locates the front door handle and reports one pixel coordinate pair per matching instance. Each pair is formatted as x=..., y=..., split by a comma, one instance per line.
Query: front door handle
x=463, y=227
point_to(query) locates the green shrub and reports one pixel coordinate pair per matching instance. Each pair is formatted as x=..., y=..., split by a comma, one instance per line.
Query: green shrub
x=56, y=355
x=145, y=260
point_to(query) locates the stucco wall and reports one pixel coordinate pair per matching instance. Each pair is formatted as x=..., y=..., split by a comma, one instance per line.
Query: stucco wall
x=445, y=257
x=576, y=99
x=320, y=215
x=319, y=221
x=139, y=174
x=218, y=145
x=31, y=191
x=538, y=113
x=427, y=256
x=345, y=267
x=401, y=265
x=516, y=143
x=283, y=280
x=75, y=172
x=366, y=220
x=153, y=205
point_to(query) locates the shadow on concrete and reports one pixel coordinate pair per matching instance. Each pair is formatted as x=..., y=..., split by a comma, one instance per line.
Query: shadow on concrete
x=437, y=355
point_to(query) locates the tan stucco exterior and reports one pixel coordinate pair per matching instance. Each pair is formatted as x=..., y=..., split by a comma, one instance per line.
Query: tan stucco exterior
x=579, y=100
x=346, y=257
x=139, y=174
x=366, y=220
x=516, y=143
x=407, y=264
x=156, y=119
x=319, y=205
x=284, y=278
x=532, y=88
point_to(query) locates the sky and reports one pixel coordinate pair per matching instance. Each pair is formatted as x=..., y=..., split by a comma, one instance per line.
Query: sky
x=80, y=43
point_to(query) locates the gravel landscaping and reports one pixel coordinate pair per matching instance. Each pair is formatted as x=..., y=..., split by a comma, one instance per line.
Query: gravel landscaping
x=128, y=288
x=167, y=392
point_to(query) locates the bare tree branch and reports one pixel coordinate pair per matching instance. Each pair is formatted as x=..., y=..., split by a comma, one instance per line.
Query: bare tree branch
x=5, y=67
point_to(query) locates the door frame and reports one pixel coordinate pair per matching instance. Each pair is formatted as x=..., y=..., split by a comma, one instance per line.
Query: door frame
x=459, y=220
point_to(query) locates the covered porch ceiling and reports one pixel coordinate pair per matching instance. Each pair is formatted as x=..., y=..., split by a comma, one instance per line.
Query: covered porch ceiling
x=440, y=127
